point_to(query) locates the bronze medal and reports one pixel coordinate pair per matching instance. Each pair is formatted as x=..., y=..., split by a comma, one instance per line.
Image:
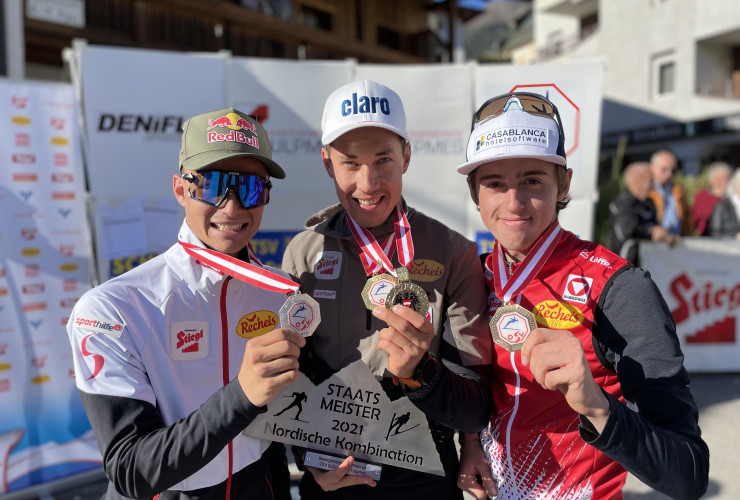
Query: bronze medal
x=511, y=325
x=407, y=294
x=376, y=290
x=301, y=314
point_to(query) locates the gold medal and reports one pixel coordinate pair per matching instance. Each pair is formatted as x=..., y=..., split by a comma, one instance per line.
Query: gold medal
x=511, y=325
x=407, y=294
x=376, y=290
x=301, y=314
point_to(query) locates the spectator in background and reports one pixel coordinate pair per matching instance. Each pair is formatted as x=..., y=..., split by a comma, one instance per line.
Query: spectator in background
x=670, y=199
x=718, y=174
x=632, y=215
x=725, y=219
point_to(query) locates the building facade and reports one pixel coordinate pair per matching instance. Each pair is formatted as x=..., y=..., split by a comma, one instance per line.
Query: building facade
x=672, y=72
x=370, y=31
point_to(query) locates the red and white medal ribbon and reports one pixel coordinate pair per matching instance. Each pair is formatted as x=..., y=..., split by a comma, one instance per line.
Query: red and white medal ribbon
x=373, y=257
x=243, y=271
x=507, y=287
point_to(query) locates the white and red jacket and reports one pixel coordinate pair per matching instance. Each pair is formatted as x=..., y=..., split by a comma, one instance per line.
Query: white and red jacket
x=156, y=352
x=540, y=448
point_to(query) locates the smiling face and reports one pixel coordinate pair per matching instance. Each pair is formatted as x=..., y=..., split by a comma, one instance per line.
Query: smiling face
x=227, y=228
x=367, y=165
x=517, y=199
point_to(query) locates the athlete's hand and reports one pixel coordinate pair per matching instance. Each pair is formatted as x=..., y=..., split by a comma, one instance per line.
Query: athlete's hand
x=330, y=480
x=474, y=475
x=557, y=361
x=270, y=363
x=406, y=338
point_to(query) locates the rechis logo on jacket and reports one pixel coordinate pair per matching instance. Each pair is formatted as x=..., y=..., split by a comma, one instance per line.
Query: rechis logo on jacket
x=189, y=340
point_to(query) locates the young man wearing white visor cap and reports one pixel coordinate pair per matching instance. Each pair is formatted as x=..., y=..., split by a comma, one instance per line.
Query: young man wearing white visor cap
x=372, y=234
x=587, y=378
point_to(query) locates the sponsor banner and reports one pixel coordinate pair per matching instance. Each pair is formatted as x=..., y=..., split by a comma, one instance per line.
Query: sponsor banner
x=288, y=100
x=142, y=117
x=350, y=414
x=700, y=281
x=44, y=268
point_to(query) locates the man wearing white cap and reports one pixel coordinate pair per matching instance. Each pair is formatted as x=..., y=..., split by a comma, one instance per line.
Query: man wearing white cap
x=588, y=378
x=372, y=234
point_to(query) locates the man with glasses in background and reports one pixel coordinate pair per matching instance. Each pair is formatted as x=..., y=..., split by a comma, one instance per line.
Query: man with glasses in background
x=671, y=204
x=174, y=358
x=588, y=378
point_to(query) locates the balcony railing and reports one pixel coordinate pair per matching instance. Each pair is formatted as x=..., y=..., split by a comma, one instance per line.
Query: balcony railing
x=728, y=88
x=565, y=45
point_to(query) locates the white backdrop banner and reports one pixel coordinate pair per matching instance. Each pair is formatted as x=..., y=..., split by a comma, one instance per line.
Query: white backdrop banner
x=700, y=281
x=44, y=269
x=130, y=127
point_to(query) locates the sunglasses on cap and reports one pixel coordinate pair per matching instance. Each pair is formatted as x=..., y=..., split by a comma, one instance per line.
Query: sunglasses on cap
x=534, y=104
x=213, y=186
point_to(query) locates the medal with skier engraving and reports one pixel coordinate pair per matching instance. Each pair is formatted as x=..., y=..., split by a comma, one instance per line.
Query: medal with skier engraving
x=511, y=325
x=301, y=314
x=407, y=294
x=376, y=290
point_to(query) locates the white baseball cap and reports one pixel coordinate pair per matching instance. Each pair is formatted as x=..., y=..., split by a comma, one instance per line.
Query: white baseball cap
x=363, y=103
x=514, y=133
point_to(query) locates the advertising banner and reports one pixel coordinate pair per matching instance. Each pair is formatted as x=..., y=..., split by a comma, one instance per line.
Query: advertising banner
x=44, y=268
x=700, y=281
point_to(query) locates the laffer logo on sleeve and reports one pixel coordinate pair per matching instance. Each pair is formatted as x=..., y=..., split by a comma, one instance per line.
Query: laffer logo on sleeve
x=99, y=325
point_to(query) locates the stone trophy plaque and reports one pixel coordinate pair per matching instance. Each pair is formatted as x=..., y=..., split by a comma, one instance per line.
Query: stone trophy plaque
x=350, y=414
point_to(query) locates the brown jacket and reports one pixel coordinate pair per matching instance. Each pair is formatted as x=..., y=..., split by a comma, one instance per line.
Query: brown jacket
x=682, y=207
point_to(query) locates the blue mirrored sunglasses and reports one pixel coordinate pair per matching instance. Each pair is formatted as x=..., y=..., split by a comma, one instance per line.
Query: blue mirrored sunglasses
x=213, y=187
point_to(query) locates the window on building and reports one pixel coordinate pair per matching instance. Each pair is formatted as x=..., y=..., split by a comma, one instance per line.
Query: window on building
x=315, y=18
x=664, y=76
x=388, y=38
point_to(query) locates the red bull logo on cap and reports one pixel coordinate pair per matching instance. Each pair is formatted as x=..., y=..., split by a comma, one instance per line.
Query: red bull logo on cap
x=233, y=122
x=237, y=125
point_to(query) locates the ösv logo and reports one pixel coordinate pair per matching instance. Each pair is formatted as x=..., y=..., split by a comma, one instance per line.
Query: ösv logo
x=365, y=104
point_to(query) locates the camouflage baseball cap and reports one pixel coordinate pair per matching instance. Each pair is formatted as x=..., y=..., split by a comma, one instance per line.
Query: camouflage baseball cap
x=226, y=133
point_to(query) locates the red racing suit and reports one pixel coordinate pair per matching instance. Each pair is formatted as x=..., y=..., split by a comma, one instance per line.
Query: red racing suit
x=532, y=441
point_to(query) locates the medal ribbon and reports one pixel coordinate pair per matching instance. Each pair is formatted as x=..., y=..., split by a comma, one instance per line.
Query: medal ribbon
x=249, y=273
x=373, y=257
x=506, y=286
